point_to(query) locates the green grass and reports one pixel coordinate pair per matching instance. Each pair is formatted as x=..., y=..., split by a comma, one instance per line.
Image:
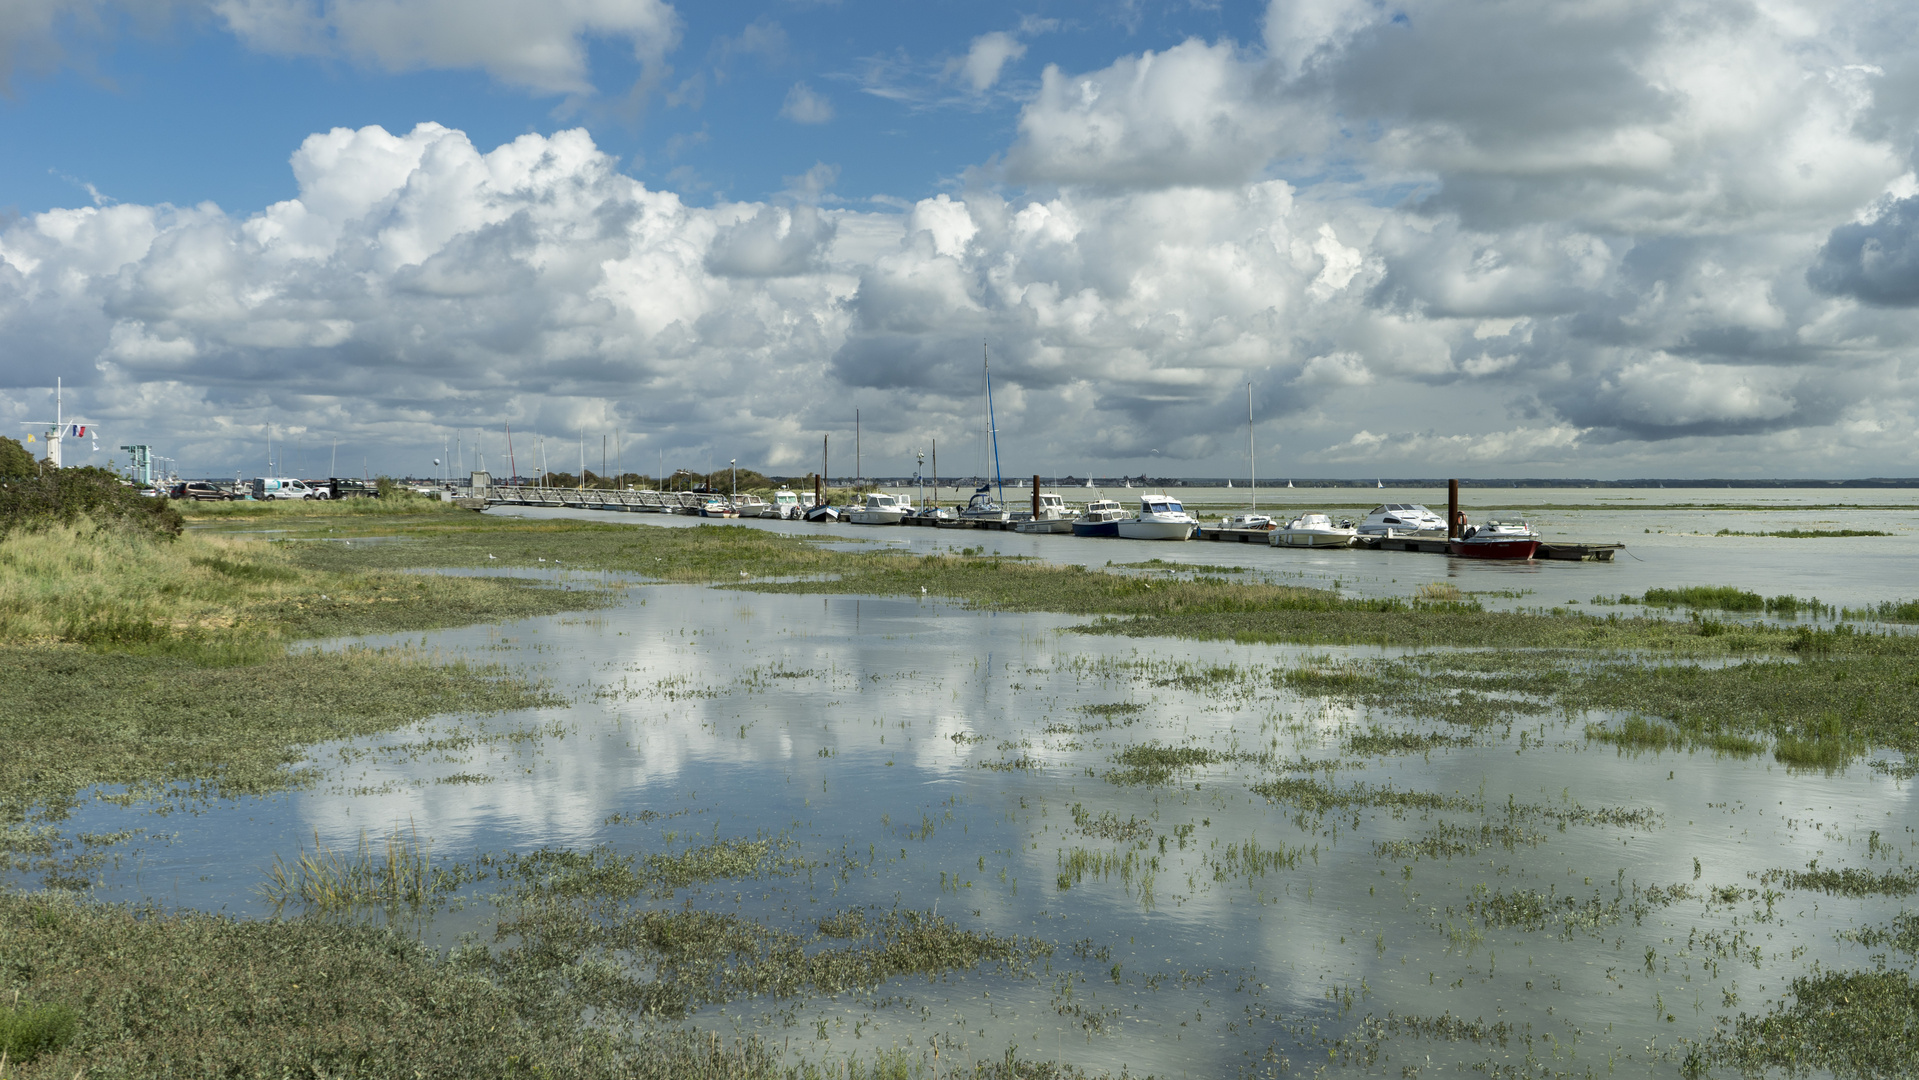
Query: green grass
x=1894, y=611
x=28, y=1030
x=1152, y=764
x=1720, y=597
x=1379, y=741
x=1853, y=1024
x=398, y=872
x=137, y=992
x=75, y=718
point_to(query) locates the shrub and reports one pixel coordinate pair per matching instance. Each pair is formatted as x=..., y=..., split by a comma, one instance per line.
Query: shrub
x=27, y=1029
x=64, y=496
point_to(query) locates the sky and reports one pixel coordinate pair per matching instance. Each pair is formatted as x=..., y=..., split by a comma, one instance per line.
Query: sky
x=1604, y=239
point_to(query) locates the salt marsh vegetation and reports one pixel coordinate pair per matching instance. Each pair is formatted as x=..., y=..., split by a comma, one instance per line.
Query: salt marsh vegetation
x=1282, y=827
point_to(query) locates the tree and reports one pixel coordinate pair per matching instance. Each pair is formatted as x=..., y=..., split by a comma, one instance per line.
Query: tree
x=15, y=459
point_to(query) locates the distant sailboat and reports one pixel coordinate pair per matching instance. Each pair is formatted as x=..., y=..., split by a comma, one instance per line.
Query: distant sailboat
x=1289, y=483
x=1379, y=483
x=1229, y=483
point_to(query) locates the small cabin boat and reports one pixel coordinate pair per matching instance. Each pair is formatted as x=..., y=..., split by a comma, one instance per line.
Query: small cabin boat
x=1101, y=518
x=1160, y=517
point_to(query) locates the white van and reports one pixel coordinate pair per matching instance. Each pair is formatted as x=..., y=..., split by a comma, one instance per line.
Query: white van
x=285, y=488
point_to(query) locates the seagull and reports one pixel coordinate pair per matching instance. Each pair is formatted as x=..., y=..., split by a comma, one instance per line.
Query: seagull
x=922, y=590
x=742, y=573
x=542, y=558
x=490, y=555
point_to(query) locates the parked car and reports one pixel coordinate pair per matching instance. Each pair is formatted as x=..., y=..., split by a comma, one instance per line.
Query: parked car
x=338, y=487
x=199, y=491
x=280, y=487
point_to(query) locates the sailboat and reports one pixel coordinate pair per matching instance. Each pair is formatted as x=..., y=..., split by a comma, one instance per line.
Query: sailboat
x=1289, y=483
x=982, y=507
x=1250, y=518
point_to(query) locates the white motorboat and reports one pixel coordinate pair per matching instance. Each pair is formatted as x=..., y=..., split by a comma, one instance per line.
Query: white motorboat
x=880, y=509
x=1159, y=518
x=981, y=507
x=1053, y=516
x=1247, y=520
x=751, y=506
x=785, y=505
x=1402, y=519
x=1313, y=530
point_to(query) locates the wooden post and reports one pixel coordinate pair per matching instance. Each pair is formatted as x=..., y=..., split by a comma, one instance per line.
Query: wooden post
x=816, y=489
x=1452, y=509
x=1035, y=496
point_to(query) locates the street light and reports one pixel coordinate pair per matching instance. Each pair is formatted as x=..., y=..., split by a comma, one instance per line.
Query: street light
x=920, y=456
x=733, y=466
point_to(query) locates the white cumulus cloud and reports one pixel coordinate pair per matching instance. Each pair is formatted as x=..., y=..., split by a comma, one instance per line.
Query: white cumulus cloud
x=541, y=46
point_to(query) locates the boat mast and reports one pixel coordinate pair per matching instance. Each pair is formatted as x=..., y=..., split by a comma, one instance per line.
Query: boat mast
x=991, y=425
x=1252, y=463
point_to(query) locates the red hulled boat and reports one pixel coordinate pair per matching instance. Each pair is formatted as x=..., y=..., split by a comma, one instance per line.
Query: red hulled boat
x=1494, y=547
x=1501, y=537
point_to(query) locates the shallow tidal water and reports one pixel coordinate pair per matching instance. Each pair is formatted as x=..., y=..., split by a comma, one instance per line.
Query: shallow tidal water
x=920, y=756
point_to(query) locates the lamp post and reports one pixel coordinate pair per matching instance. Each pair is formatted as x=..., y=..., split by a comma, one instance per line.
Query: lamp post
x=733, y=466
x=920, y=471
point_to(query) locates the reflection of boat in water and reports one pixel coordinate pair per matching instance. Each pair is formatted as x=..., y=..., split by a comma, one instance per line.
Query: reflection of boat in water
x=1313, y=530
x=1159, y=518
x=880, y=509
x=1101, y=518
x=1401, y=519
x=1501, y=537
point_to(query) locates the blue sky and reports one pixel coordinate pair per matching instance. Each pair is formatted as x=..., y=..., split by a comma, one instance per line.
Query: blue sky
x=186, y=111
x=1476, y=238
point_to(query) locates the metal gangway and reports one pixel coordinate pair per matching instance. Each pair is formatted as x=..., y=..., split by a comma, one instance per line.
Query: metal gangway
x=632, y=502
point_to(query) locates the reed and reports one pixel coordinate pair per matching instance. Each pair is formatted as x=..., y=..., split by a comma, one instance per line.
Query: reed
x=397, y=871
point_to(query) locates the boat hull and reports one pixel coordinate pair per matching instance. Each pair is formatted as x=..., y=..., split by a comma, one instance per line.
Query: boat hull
x=876, y=517
x=822, y=513
x=1156, y=530
x=1095, y=528
x=1284, y=538
x=1494, y=549
x=1056, y=525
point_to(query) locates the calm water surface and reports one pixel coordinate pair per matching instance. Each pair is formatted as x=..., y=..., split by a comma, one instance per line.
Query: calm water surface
x=930, y=756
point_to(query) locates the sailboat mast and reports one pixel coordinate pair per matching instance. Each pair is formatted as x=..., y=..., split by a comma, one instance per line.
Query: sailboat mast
x=991, y=424
x=936, y=470
x=1252, y=464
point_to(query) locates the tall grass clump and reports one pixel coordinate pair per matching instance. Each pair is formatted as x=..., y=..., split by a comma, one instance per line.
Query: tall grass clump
x=27, y=1029
x=1721, y=597
x=396, y=872
x=90, y=584
x=1825, y=742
